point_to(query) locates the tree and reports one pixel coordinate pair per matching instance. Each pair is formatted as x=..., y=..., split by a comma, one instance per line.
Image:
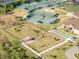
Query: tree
x=8, y=7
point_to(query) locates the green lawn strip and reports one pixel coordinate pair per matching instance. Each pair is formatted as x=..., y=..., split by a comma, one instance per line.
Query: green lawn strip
x=64, y=35
x=61, y=35
x=65, y=32
x=69, y=33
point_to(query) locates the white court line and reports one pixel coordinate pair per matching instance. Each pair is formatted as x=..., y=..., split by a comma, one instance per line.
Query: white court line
x=31, y=49
x=54, y=47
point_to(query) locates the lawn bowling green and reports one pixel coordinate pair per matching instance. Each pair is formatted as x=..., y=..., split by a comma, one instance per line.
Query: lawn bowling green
x=25, y=30
x=46, y=41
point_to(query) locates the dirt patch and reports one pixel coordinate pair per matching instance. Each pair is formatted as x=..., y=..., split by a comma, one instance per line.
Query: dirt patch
x=7, y=20
x=73, y=22
x=19, y=12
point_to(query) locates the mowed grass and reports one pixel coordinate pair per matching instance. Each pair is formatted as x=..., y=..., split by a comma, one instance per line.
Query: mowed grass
x=16, y=42
x=58, y=53
x=60, y=11
x=71, y=7
x=69, y=32
x=25, y=31
x=45, y=41
x=12, y=39
x=44, y=26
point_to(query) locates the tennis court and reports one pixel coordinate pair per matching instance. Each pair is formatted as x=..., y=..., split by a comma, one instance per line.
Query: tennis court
x=39, y=12
x=43, y=3
x=43, y=16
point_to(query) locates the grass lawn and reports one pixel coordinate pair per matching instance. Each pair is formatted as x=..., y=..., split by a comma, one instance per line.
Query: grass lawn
x=58, y=24
x=25, y=31
x=58, y=53
x=45, y=27
x=60, y=11
x=70, y=33
x=45, y=41
x=12, y=39
x=71, y=7
x=16, y=42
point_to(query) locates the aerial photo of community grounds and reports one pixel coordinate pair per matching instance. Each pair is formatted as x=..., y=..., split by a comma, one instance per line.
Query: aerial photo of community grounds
x=39, y=29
